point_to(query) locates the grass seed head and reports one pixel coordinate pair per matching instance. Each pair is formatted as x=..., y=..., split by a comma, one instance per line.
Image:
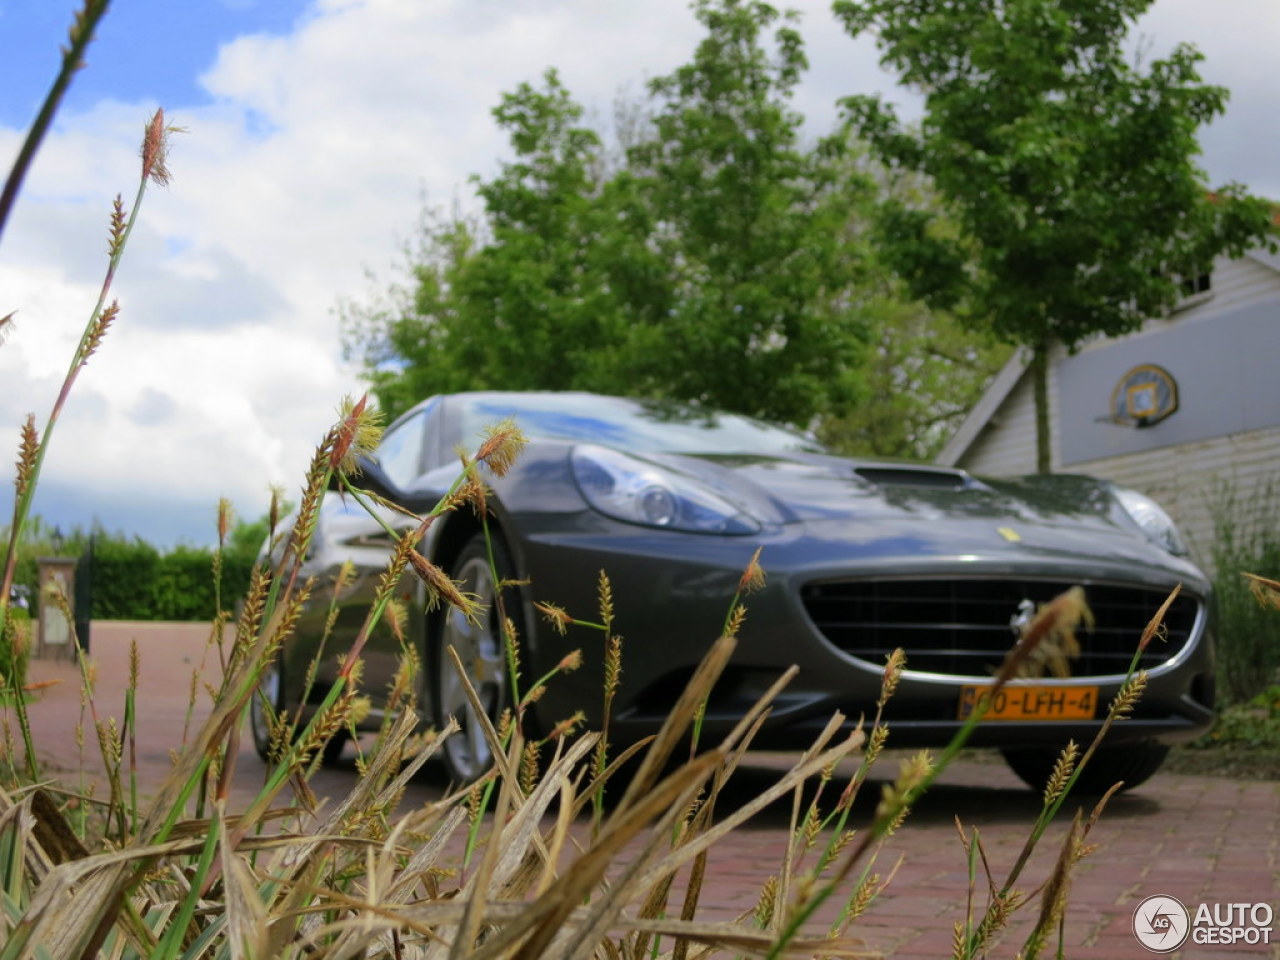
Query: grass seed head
x=892, y=674
x=1156, y=628
x=110, y=742
x=397, y=617
x=1062, y=769
x=753, y=576
x=863, y=897
x=501, y=445
x=768, y=903
x=555, y=616
x=566, y=727
x=612, y=665
x=876, y=742
x=97, y=331
x=1000, y=908
x=911, y=774
x=530, y=767
x=28, y=451
x=117, y=229
x=473, y=493
x=439, y=586
x=275, y=509
x=604, y=593
x=1129, y=694
x=361, y=707
x=155, y=150
x=357, y=434
x=1049, y=640
x=224, y=520
x=737, y=617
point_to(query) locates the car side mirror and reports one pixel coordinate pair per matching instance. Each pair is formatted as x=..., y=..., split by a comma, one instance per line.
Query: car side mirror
x=369, y=476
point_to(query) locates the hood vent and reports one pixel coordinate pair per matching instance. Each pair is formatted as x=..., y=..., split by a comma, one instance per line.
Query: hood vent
x=933, y=477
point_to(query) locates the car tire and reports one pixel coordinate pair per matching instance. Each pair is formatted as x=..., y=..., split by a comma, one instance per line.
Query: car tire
x=1133, y=763
x=268, y=698
x=466, y=754
x=271, y=691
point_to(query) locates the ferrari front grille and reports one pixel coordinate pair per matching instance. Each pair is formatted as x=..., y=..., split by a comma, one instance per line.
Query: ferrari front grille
x=962, y=627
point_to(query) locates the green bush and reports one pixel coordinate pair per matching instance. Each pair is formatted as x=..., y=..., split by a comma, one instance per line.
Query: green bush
x=132, y=580
x=15, y=649
x=126, y=580
x=1246, y=540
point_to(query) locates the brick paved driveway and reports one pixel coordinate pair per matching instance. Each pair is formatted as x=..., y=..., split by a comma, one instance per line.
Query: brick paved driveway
x=1199, y=839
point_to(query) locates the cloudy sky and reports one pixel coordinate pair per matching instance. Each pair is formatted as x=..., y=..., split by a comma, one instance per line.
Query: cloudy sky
x=315, y=129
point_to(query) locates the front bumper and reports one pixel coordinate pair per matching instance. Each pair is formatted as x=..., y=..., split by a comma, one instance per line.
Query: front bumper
x=671, y=594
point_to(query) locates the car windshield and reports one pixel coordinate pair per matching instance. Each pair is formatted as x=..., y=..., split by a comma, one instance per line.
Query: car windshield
x=639, y=426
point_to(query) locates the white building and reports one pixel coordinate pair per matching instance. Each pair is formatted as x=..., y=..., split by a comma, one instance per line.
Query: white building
x=1186, y=410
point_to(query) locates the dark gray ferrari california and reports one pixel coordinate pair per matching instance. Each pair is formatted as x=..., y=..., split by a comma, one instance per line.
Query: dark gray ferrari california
x=672, y=501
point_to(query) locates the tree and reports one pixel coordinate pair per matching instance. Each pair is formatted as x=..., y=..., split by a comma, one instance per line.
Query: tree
x=752, y=227
x=925, y=369
x=711, y=265
x=530, y=297
x=1069, y=172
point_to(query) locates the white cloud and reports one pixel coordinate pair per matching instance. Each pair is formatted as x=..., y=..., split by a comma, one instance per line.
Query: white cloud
x=308, y=166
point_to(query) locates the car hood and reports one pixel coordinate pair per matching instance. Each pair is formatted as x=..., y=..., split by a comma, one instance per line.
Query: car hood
x=927, y=510
x=815, y=487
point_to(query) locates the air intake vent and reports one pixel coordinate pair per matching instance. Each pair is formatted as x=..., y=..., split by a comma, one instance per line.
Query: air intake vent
x=914, y=477
x=961, y=627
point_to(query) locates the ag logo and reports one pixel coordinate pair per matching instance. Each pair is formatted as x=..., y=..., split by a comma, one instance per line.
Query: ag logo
x=1161, y=924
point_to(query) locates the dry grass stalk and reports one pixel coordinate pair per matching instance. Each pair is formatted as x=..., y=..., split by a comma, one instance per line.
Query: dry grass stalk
x=1265, y=591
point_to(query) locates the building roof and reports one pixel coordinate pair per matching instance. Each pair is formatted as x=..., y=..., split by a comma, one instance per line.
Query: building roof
x=972, y=425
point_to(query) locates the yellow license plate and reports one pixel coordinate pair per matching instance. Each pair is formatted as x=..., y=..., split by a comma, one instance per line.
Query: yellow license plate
x=1014, y=702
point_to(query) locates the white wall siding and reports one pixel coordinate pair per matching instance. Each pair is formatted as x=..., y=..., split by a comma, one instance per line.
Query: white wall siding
x=1236, y=283
x=1007, y=444
x=1194, y=481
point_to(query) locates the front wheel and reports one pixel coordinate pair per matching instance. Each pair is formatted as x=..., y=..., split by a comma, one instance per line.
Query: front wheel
x=1134, y=763
x=480, y=646
x=268, y=703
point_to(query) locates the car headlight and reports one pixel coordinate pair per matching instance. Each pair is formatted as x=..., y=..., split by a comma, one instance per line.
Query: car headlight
x=1151, y=519
x=634, y=490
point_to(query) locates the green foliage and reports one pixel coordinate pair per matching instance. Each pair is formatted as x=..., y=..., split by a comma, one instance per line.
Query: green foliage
x=15, y=651
x=1245, y=540
x=753, y=228
x=1252, y=724
x=926, y=373
x=538, y=304
x=126, y=579
x=925, y=368
x=131, y=579
x=1070, y=172
x=713, y=264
